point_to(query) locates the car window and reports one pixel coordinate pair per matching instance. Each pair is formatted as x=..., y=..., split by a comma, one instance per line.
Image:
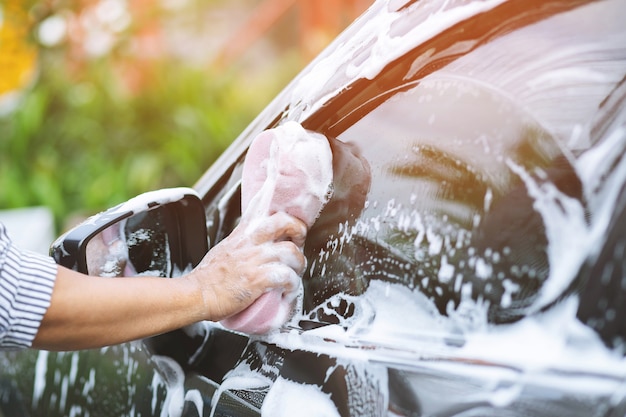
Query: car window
x=479, y=208
x=448, y=213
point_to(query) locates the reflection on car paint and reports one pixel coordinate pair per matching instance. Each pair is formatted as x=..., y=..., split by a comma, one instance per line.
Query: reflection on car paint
x=115, y=378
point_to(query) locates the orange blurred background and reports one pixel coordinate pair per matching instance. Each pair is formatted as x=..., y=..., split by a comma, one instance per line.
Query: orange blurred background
x=101, y=100
x=135, y=33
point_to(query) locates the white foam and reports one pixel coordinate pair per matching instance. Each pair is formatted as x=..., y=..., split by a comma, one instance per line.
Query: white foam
x=195, y=397
x=568, y=236
x=294, y=148
x=241, y=377
x=287, y=398
x=388, y=40
x=41, y=368
x=174, y=379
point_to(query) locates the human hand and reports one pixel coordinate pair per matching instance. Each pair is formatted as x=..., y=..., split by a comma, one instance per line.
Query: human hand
x=287, y=169
x=352, y=178
x=259, y=255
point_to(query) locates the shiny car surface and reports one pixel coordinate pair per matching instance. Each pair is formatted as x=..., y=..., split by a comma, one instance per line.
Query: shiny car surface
x=471, y=260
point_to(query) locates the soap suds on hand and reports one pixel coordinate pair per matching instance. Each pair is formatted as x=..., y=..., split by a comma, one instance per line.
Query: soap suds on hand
x=287, y=169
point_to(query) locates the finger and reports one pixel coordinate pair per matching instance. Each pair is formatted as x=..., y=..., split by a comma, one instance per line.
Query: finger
x=291, y=255
x=283, y=252
x=279, y=227
x=292, y=229
x=279, y=275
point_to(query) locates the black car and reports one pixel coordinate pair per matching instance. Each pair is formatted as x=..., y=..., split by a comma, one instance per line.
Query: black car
x=472, y=261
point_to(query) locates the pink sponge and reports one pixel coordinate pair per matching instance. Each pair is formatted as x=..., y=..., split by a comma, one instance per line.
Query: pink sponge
x=286, y=169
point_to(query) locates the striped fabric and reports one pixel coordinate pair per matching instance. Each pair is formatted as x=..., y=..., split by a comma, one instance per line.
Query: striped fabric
x=26, y=282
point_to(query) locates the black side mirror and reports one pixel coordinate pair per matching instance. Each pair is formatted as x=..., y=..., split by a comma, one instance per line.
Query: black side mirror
x=159, y=233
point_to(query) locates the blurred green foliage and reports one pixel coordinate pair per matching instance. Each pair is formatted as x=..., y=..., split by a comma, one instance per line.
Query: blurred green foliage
x=82, y=145
x=134, y=95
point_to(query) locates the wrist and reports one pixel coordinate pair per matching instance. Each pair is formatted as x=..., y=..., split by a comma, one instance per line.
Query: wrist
x=200, y=299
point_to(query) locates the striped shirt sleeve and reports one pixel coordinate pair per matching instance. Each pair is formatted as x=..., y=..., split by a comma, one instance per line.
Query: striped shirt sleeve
x=26, y=282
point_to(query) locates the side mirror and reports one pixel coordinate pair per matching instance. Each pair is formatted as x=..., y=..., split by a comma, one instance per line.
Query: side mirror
x=159, y=233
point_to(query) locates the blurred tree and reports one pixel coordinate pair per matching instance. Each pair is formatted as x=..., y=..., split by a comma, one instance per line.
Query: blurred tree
x=122, y=97
x=18, y=55
x=316, y=23
x=320, y=21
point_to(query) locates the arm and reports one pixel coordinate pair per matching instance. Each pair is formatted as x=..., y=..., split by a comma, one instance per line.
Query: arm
x=87, y=312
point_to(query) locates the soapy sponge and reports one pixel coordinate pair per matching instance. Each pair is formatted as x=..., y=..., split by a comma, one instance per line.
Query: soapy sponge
x=286, y=169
